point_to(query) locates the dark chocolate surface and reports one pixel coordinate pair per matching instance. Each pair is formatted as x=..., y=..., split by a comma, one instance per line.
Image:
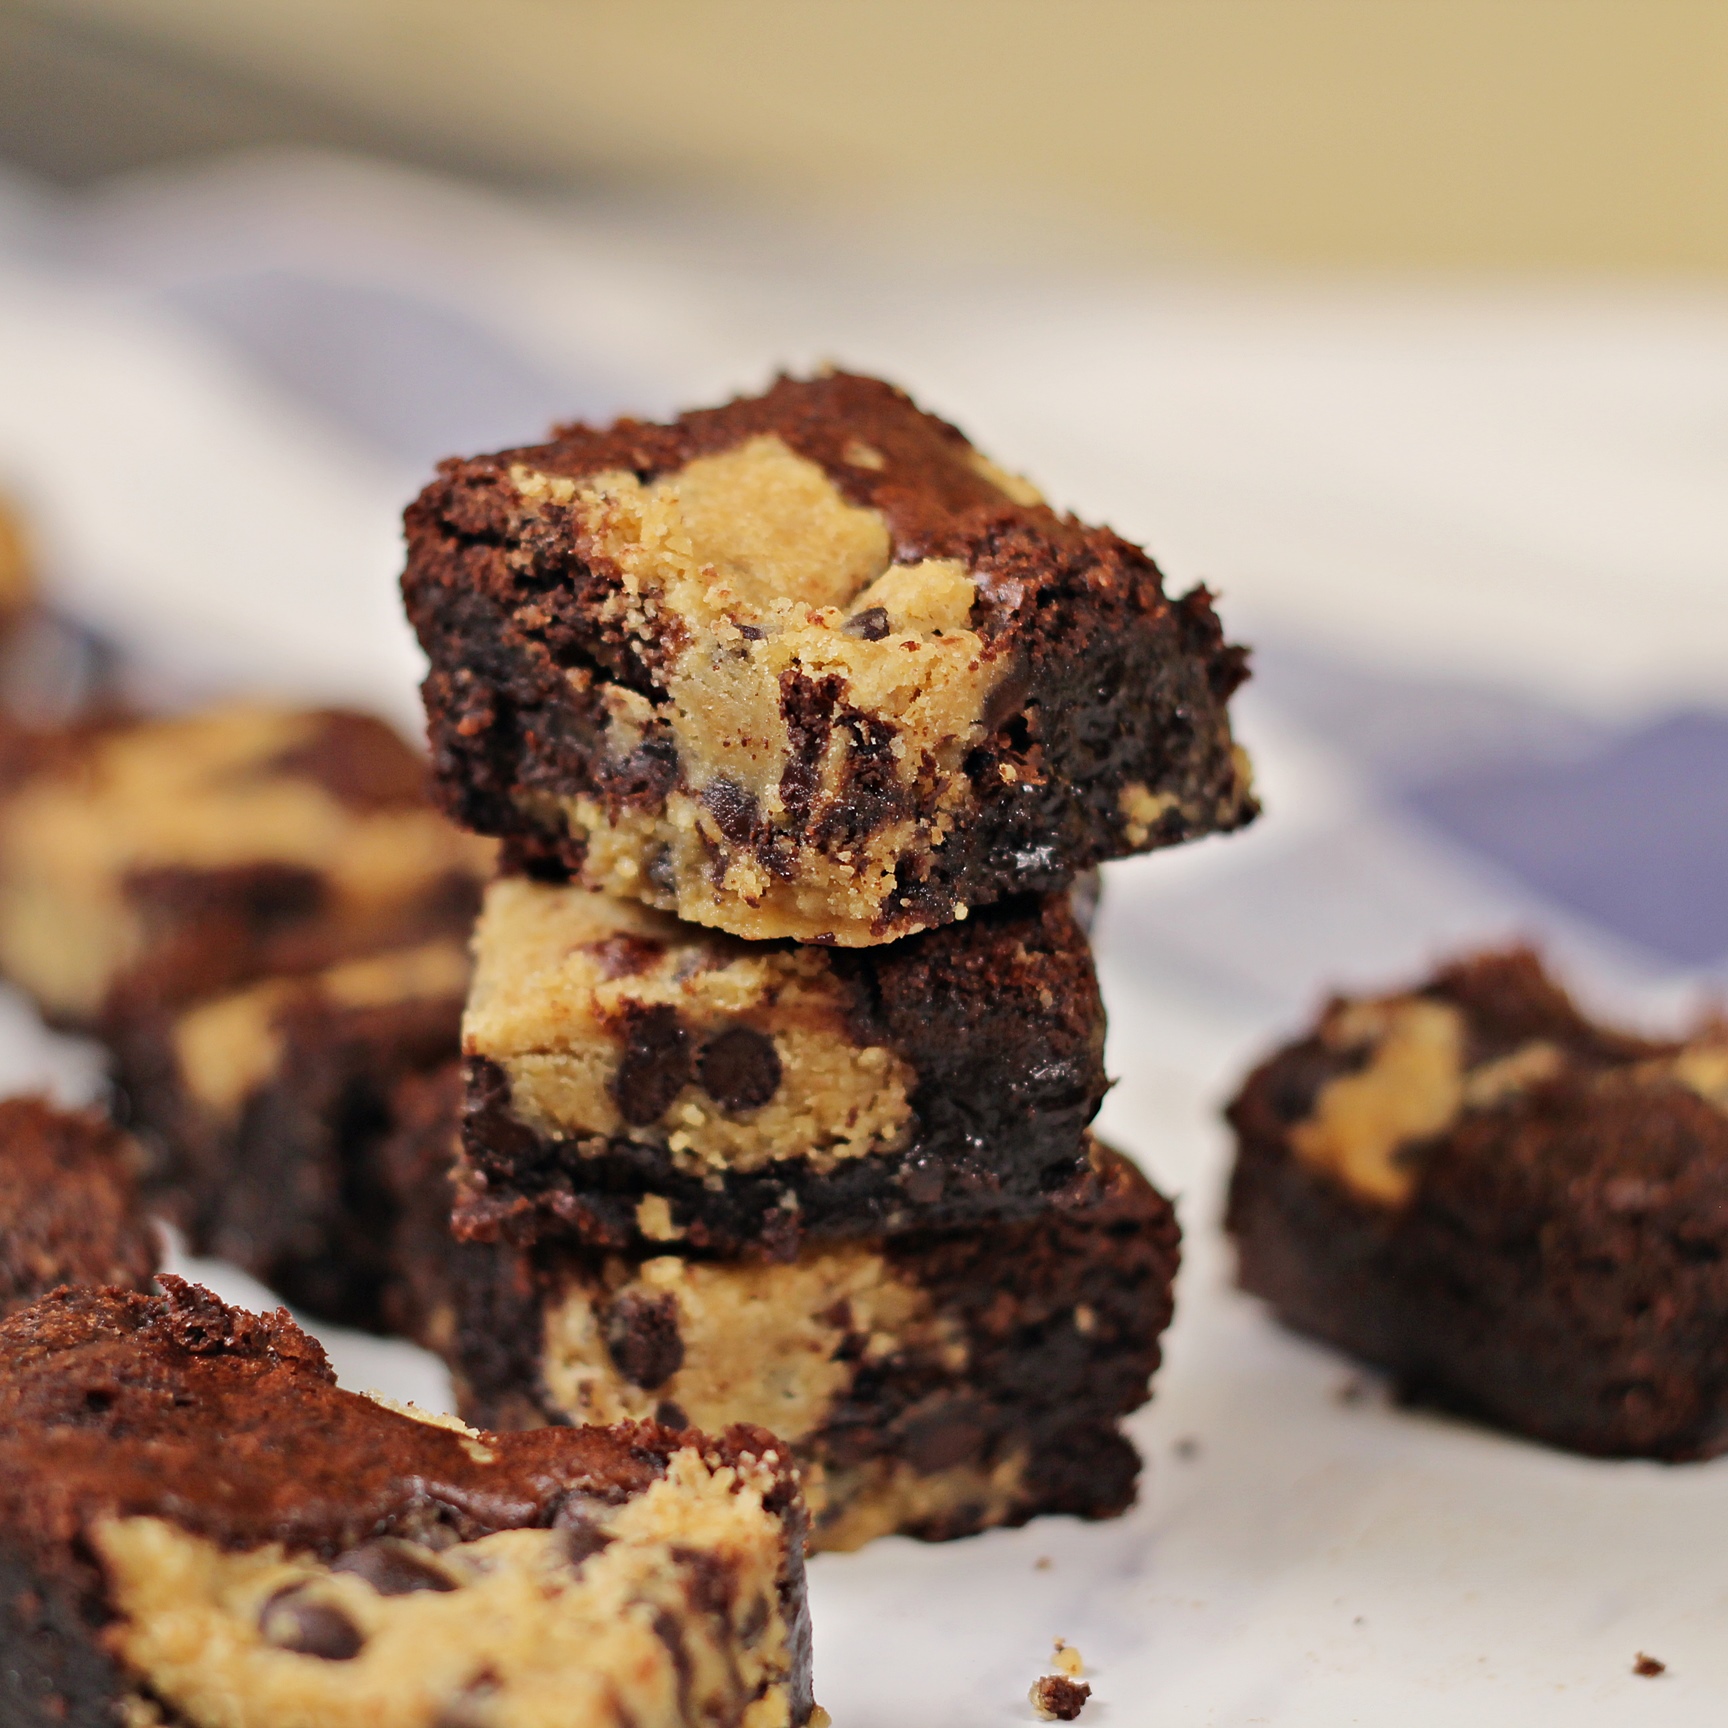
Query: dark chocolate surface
x=1561, y=1265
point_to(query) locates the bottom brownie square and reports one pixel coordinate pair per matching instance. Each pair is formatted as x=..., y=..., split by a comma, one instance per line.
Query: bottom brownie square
x=69, y=1211
x=1516, y=1212
x=265, y=1107
x=934, y=1383
x=198, y=1528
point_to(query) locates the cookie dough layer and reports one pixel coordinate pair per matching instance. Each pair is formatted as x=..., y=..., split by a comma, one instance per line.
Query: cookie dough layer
x=69, y=1211
x=1516, y=1212
x=807, y=666
x=152, y=863
x=264, y=1110
x=632, y=1078
x=935, y=1384
x=198, y=1527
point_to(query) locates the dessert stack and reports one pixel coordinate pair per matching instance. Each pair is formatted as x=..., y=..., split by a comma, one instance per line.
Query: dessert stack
x=802, y=725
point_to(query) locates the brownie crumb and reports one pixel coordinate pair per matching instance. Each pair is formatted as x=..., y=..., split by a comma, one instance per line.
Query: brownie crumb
x=1043, y=1563
x=1647, y=1667
x=1057, y=1699
x=1187, y=1448
x=1351, y=1391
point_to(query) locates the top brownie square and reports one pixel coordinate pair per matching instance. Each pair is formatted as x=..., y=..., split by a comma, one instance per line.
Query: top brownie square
x=807, y=665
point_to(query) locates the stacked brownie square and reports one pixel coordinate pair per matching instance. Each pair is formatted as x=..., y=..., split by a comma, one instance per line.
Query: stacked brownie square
x=802, y=725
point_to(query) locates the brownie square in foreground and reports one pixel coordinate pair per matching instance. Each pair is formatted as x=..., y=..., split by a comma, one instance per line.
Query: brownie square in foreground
x=264, y=1109
x=934, y=1383
x=632, y=1079
x=197, y=1527
x=808, y=665
x=1514, y=1211
x=69, y=1209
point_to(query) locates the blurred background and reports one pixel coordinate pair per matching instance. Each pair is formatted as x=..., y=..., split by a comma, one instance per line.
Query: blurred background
x=1403, y=327
x=1402, y=324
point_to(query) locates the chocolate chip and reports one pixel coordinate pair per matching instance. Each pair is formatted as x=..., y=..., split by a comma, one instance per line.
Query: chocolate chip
x=392, y=1568
x=733, y=809
x=625, y=955
x=291, y=1622
x=582, y=1541
x=871, y=624
x=740, y=1069
x=670, y=1414
x=655, y=1067
x=642, y=1338
x=663, y=871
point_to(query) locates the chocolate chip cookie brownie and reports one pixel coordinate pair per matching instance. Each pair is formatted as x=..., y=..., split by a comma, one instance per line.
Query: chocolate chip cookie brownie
x=634, y=1079
x=934, y=1383
x=198, y=1528
x=263, y=1110
x=152, y=863
x=1515, y=1211
x=69, y=1211
x=808, y=666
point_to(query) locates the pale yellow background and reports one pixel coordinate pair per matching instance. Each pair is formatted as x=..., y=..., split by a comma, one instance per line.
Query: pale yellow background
x=1400, y=133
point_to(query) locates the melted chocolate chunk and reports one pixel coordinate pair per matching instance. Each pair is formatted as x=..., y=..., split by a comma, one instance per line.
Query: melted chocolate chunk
x=871, y=624
x=642, y=1338
x=740, y=1069
x=392, y=1569
x=292, y=1622
x=733, y=809
x=656, y=1064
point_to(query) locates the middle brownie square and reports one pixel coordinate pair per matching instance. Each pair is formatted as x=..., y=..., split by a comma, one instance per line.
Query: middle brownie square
x=633, y=1080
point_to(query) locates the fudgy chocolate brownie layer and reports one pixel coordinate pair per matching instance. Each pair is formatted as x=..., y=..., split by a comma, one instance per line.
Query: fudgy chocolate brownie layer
x=69, y=1210
x=808, y=666
x=149, y=864
x=1516, y=1212
x=935, y=1383
x=263, y=1110
x=197, y=1526
x=632, y=1078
